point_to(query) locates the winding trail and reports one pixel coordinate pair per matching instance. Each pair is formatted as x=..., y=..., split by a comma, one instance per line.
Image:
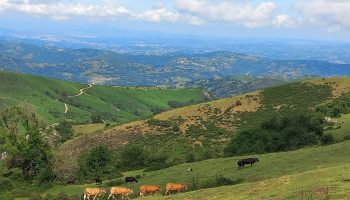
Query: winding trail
x=81, y=91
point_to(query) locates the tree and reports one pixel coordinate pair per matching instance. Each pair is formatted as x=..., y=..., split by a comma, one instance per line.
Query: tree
x=96, y=163
x=96, y=118
x=134, y=157
x=65, y=130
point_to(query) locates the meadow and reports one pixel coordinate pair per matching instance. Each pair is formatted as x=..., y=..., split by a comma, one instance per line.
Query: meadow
x=317, y=171
x=115, y=105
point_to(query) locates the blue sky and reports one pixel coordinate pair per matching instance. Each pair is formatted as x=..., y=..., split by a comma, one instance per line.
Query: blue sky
x=308, y=19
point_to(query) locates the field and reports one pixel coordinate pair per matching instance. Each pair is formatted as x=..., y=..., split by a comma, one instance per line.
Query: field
x=344, y=130
x=114, y=104
x=210, y=125
x=315, y=171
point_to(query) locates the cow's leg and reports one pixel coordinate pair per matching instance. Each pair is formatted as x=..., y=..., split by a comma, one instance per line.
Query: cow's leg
x=110, y=196
x=94, y=197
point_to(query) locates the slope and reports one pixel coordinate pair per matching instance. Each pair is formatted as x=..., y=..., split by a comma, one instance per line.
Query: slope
x=283, y=175
x=113, y=104
x=206, y=128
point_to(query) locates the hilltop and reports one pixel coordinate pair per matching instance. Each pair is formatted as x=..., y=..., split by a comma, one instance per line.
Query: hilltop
x=204, y=129
x=48, y=98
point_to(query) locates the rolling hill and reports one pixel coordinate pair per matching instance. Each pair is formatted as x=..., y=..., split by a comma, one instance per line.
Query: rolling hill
x=209, y=126
x=174, y=69
x=115, y=104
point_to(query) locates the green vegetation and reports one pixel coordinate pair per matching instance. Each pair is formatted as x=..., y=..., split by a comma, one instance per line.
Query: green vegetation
x=286, y=133
x=281, y=175
x=111, y=104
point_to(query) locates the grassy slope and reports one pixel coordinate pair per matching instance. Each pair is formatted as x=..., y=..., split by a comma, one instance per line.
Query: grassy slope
x=216, y=121
x=277, y=176
x=122, y=104
x=344, y=130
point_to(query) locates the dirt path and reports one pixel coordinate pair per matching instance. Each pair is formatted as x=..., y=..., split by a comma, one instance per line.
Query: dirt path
x=81, y=91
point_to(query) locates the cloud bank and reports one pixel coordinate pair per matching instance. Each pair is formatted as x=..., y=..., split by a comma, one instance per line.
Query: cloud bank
x=330, y=14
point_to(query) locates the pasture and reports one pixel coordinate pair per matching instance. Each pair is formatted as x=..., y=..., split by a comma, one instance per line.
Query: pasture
x=280, y=174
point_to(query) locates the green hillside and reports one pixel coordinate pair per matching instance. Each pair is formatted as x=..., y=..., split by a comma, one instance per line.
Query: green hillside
x=285, y=175
x=113, y=104
x=206, y=128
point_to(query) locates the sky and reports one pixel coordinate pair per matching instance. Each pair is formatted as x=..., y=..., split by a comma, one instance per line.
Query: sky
x=304, y=19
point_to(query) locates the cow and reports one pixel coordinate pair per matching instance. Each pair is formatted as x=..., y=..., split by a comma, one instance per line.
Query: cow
x=247, y=161
x=120, y=191
x=96, y=192
x=175, y=187
x=190, y=170
x=98, y=181
x=151, y=189
x=130, y=179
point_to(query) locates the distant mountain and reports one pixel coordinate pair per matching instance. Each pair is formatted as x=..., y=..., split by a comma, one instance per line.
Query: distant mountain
x=171, y=69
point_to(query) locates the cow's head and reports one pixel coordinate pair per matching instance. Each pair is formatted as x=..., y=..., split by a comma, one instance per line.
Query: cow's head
x=185, y=187
x=103, y=190
x=159, y=188
x=130, y=191
x=257, y=159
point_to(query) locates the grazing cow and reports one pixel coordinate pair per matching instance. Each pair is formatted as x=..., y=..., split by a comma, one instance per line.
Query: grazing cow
x=247, y=161
x=175, y=187
x=98, y=181
x=130, y=179
x=151, y=189
x=120, y=191
x=96, y=192
x=190, y=170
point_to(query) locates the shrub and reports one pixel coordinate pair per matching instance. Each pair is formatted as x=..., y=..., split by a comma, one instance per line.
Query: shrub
x=277, y=134
x=96, y=163
x=190, y=158
x=346, y=137
x=134, y=157
x=116, y=182
x=65, y=130
x=327, y=139
x=5, y=184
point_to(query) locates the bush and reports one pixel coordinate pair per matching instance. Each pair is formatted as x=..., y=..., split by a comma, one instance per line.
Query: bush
x=277, y=134
x=327, y=139
x=190, y=158
x=97, y=163
x=115, y=182
x=134, y=157
x=65, y=130
x=346, y=137
x=5, y=184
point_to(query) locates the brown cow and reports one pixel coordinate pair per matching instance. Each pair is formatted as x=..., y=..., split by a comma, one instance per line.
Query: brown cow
x=175, y=187
x=151, y=189
x=96, y=192
x=120, y=191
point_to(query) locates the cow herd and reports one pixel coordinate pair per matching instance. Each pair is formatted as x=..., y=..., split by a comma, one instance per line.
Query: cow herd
x=126, y=191
x=148, y=189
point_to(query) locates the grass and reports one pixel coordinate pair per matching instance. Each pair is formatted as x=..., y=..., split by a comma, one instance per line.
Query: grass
x=322, y=165
x=117, y=104
x=344, y=130
x=88, y=128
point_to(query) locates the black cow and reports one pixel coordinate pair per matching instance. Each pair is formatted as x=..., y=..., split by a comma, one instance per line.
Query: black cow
x=98, y=181
x=130, y=179
x=247, y=161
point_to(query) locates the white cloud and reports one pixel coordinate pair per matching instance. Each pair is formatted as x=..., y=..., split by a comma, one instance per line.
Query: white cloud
x=159, y=14
x=284, y=20
x=334, y=14
x=245, y=13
